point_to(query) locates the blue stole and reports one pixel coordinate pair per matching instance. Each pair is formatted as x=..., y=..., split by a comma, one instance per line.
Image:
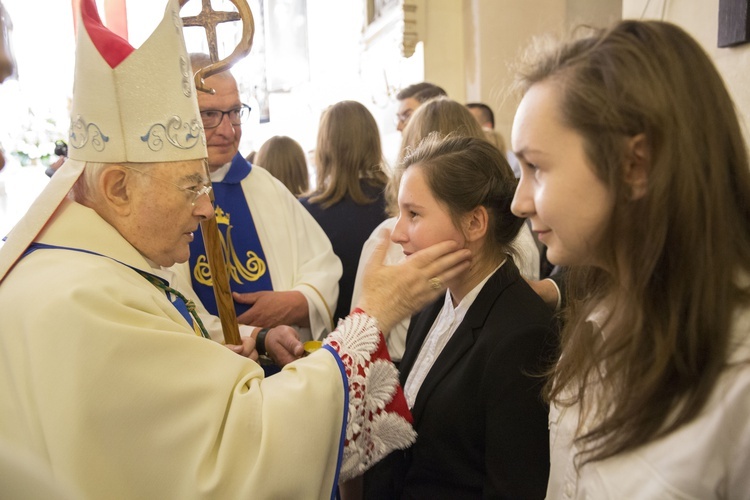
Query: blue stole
x=243, y=253
x=175, y=298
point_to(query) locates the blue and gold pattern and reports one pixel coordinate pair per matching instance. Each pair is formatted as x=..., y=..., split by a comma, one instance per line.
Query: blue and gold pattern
x=243, y=252
x=252, y=269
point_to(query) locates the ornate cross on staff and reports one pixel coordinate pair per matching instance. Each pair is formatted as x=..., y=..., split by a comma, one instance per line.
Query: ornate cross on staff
x=209, y=18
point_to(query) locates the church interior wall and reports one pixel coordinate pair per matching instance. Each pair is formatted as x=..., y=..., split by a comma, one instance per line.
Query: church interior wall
x=470, y=45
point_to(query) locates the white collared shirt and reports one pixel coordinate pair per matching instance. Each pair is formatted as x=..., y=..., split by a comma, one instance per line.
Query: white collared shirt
x=221, y=172
x=706, y=458
x=442, y=330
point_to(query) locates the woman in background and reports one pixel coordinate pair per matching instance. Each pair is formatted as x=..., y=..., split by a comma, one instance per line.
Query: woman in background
x=348, y=200
x=284, y=158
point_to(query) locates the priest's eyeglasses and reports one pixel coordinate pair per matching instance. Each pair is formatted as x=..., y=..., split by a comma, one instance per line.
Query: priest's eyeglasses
x=193, y=192
x=212, y=117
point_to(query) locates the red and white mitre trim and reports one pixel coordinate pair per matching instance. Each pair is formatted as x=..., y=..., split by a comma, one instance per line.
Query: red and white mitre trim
x=379, y=421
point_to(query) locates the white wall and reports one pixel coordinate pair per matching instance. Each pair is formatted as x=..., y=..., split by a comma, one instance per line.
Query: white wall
x=701, y=20
x=498, y=30
x=470, y=45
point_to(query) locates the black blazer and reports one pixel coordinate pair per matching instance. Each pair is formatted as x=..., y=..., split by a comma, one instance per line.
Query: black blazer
x=480, y=419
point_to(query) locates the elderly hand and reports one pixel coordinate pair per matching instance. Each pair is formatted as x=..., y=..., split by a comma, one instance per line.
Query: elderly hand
x=283, y=345
x=391, y=293
x=247, y=349
x=272, y=309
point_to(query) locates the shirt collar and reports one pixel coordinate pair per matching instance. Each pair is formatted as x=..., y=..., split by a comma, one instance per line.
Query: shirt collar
x=462, y=308
x=233, y=172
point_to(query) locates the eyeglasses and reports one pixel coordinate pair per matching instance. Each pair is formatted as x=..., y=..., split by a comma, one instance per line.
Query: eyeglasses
x=212, y=117
x=195, y=193
x=404, y=117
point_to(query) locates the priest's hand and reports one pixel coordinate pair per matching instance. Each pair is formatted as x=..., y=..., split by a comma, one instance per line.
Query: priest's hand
x=391, y=293
x=272, y=309
x=283, y=345
x=247, y=349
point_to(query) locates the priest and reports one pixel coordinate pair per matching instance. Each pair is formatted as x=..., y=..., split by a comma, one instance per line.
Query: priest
x=109, y=379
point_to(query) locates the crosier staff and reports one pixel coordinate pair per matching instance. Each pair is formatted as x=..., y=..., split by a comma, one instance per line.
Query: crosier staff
x=208, y=19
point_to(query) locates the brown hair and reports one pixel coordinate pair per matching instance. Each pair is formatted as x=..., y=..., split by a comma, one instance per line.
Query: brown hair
x=442, y=115
x=348, y=150
x=421, y=91
x=284, y=158
x=467, y=172
x=672, y=256
x=484, y=110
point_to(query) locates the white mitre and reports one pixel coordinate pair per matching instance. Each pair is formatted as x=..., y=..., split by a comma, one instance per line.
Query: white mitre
x=137, y=107
x=128, y=106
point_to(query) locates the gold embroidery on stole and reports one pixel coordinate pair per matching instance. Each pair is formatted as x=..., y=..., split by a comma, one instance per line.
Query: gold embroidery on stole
x=251, y=270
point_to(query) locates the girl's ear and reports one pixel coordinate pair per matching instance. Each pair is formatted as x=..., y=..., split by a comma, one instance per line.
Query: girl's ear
x=637, y=165
x=476, y=223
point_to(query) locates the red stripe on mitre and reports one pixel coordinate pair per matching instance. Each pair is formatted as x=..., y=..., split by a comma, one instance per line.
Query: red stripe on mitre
x=113, y=48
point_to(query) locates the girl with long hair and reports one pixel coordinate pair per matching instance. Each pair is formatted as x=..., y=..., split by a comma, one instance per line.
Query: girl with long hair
x=635, y=175
x=348, y=199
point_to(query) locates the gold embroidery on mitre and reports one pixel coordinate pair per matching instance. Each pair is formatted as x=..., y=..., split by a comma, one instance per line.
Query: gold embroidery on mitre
x=251, y=270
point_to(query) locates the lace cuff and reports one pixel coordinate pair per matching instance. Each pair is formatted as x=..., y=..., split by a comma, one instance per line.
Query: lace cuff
x=379, y=420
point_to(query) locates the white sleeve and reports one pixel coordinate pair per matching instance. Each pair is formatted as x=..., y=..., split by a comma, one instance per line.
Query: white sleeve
x=528, y=253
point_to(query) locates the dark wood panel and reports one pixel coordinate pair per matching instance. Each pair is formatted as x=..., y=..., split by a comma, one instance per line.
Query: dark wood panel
x=734, y=23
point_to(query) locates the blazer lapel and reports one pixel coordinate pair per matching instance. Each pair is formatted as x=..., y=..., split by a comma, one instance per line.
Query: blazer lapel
x=465, y=336
x=419, y=327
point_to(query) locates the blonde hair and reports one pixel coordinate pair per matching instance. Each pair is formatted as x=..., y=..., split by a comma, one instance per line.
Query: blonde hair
x=439, y=115
x=348, y=150
x=284, y=158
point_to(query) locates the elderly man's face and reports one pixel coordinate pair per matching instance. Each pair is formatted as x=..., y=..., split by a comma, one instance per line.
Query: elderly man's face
x=223, y=141
x=166, y=211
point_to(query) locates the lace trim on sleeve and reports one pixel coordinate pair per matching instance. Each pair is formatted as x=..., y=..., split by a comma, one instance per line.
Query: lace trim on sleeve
x=379, y=421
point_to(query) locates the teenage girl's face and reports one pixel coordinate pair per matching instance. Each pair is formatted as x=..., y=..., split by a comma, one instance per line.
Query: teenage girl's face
x=567, y=204
x=422, y=220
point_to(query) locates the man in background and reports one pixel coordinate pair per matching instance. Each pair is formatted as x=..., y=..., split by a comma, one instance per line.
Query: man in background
x=281, y=264
x=411, y=97
x=486, y=119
